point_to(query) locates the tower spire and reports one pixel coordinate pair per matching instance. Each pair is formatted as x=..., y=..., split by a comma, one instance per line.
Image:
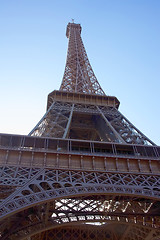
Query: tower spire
x=78, y=75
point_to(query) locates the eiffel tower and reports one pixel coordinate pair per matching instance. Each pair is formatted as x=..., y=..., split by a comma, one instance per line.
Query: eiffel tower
x=84, y=172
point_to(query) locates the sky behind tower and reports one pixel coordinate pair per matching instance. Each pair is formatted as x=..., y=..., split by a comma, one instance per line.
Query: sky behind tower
x=122, y=40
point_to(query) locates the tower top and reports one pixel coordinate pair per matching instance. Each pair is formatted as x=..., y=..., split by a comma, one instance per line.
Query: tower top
x=78, y=76
x=73, y=26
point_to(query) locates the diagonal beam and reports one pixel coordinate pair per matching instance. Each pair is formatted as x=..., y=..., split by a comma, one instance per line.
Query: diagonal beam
x=113, y=129
x=69, y=122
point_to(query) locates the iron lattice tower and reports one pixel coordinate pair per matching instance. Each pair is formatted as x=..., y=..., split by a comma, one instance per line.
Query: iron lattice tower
x=84, y=171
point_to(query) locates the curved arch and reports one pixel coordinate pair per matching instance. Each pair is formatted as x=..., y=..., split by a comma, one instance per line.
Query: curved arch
x=39, y=228
x=92, y=207
x=22, y=202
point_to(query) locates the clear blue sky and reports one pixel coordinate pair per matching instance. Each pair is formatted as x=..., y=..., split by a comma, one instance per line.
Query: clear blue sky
x=122, y=40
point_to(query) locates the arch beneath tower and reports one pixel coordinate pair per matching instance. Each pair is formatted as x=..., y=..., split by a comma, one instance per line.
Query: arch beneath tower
x=87, y=204
x=56, y=196
x=111, y=232
x=26, y=199
x=122, y=226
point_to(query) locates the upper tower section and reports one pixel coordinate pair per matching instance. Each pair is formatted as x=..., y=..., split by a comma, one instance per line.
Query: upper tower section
x=73, y=26
x=78, y=75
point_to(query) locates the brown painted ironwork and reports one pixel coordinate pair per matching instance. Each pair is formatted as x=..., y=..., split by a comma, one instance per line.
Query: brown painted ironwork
x=84, y=171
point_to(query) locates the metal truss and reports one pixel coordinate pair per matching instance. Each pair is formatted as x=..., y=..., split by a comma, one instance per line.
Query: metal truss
x=143, y=184
x=47, y=198
x=88, y=122
x=98, y=232
x=73, y=118
x=78, y=75
x=72, y=212
x=54, y=122
x=127, y=131
x=84, y=171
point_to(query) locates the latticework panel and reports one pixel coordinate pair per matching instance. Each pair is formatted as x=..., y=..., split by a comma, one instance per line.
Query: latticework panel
x=95, y=210
x=88, y=122
x=103, y=231
x=46, y=198
x=126, y=130
x=54, y=122
x=84, y=232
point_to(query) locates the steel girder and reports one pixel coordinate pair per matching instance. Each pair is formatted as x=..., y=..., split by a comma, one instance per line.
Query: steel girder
x=88, y=122
x=49, y=198
x=104, y=232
